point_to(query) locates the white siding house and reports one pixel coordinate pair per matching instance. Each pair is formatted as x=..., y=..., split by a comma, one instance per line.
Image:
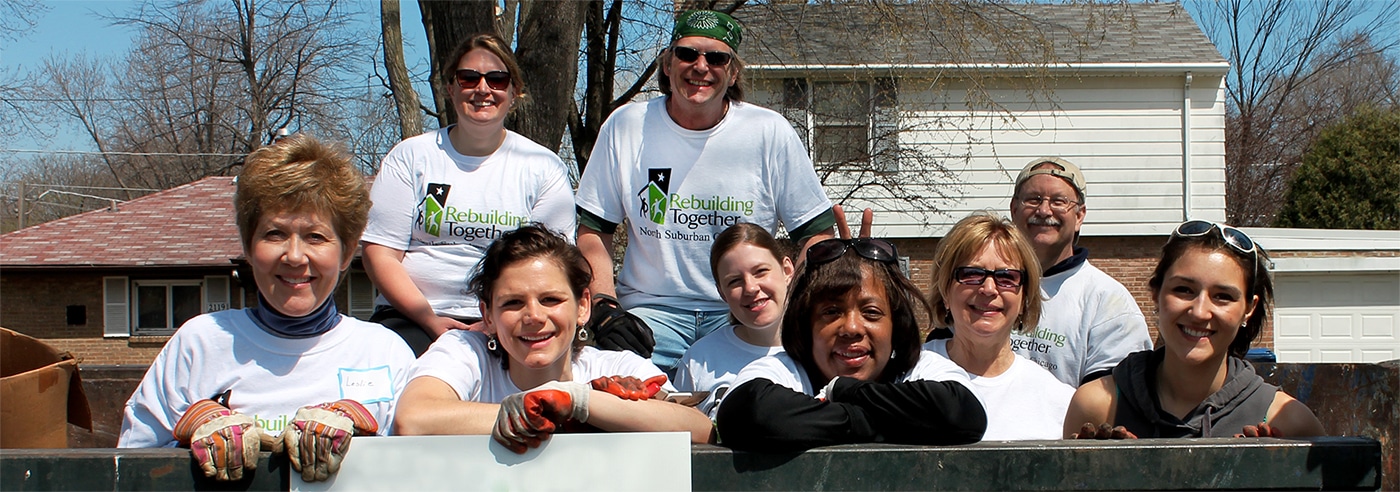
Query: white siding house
x=1139, y=116
x=919, y=97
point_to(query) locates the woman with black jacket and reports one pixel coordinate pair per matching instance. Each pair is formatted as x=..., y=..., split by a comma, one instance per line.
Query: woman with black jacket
x=852, y=371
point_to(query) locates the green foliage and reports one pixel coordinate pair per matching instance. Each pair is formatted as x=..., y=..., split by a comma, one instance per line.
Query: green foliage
x=1350, y=178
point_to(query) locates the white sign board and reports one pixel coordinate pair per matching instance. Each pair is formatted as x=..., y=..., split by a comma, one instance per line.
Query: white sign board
x=605, y=461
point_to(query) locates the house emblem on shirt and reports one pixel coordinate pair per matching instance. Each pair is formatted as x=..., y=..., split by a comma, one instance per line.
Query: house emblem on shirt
x=654, y=195
x=434, y=208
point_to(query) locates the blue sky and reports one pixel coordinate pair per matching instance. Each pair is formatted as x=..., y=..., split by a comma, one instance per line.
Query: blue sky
x=74, y=26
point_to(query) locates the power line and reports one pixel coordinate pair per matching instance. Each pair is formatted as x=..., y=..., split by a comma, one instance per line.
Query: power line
x=84, y=187
x=147, y=154
x=135, y=154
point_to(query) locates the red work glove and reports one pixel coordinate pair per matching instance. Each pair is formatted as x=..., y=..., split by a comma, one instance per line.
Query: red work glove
x=1102, y=431
x=1261, y=430
x=629, y=387
x=319, y=435
x=223, y=442
x=529, y=417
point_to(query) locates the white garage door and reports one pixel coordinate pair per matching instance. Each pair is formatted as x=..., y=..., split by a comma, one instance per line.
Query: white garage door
x=1337, y=317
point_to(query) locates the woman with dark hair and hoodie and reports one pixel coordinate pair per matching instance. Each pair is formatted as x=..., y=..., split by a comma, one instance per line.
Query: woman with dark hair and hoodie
x=1212, y=290
x=852, y=370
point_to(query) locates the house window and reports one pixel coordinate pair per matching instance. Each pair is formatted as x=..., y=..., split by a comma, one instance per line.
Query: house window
x=162, y=306
x=840, y=121
x=158, y=307
x=848, y=121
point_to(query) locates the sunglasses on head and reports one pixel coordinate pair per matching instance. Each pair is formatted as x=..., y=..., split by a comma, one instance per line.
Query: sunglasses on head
x=497, y=80
x=714, y=58
x=1003, y=278
x=1232, y=236
x=872, y=249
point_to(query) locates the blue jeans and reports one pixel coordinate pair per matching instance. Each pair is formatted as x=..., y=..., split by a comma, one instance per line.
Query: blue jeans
x=676, y=330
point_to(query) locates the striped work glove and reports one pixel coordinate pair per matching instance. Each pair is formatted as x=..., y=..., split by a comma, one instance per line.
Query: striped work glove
x=223, y=442
x=319, y=435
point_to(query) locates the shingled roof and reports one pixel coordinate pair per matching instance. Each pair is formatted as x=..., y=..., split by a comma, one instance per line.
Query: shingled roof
x=190, y=225
x=916, y=34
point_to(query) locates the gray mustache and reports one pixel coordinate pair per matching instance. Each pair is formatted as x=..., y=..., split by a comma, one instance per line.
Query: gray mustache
x=1045, y=221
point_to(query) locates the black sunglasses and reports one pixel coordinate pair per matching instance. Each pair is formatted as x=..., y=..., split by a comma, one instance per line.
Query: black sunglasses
x=497, y=80
x=873, y=249
x=1232, y=236
x=714, y=58
x=1003, y=278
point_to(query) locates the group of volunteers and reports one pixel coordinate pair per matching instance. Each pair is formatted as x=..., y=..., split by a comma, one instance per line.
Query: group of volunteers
x=504, y=316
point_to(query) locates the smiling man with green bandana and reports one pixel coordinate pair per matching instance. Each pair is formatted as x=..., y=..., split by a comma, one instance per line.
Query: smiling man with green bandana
x=682, y=168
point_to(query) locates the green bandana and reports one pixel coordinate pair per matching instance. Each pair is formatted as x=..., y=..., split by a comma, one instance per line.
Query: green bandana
x=710, y=24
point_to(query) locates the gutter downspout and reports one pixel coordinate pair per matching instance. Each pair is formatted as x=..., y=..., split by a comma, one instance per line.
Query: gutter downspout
x=1186, y=149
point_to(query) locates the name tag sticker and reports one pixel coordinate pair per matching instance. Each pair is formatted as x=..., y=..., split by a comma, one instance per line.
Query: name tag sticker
x=366, y=386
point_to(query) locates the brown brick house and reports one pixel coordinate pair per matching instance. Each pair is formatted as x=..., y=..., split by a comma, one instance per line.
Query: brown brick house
x=111, y=285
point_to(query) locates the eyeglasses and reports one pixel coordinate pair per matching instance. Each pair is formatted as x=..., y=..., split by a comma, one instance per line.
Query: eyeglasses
x=1057, y=203
x=873, y=249
x=497, y=80
x=1232, y=236
x=1003, y=278
x=714, y=58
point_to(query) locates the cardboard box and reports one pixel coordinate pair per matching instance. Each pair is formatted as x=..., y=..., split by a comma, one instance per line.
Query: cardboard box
x=40, y=394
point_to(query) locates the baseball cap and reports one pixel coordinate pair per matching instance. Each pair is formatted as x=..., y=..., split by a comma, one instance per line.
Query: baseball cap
x=1066, y=171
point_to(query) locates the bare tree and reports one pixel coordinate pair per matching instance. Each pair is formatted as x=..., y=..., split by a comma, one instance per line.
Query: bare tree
x=207, y=82
x=1278, y=51
x=548, y=41
x=78, y=88
x=400, y=86
x=17, y=17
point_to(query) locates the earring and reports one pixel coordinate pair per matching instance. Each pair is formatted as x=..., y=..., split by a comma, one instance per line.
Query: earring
x=491, y=343
x=894, y=355
x=583, y=333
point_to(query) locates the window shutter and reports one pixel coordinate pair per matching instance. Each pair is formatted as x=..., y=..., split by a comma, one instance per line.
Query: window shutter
x=885, y=124
x=216, y=288
x=116, y=312
x=794, y=108
x=360, y=296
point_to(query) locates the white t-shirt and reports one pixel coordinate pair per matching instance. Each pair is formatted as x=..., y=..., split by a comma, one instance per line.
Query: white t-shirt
x=680, y=188
x=270, y=376
x=1025, y=402
x=443, y=209
x=1088, y=324
x=460, y=359
x=713, y=362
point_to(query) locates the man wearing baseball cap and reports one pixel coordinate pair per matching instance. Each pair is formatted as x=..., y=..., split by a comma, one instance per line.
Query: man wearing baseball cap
x=1089, y=321
x=680, y=169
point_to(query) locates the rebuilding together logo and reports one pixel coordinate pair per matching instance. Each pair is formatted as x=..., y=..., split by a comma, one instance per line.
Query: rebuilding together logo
x=439, y=219
x=658, y=204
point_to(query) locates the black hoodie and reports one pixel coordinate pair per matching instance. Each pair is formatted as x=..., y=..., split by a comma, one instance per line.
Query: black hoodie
x=1243, y=400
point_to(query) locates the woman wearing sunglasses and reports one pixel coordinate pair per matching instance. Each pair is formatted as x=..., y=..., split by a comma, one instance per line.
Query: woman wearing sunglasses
x=1212, y=290
x=852, y=370
x=986, y=278
x=440, y=198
